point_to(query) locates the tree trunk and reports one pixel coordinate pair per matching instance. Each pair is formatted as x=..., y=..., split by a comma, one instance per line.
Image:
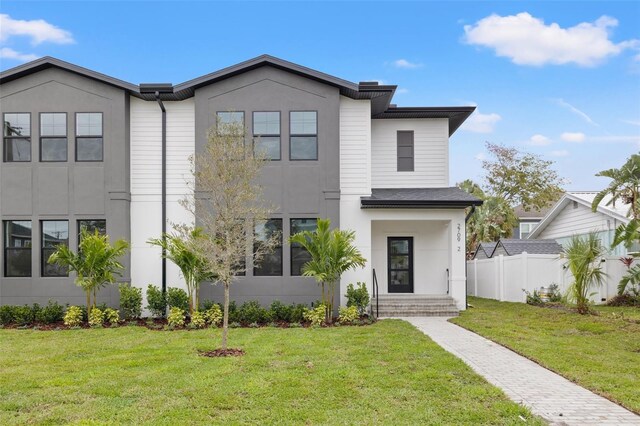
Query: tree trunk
x=330, y=304
x=225, y=320
x=197, y=291
x=95, y=297
x=190, y=300
x=88, y=302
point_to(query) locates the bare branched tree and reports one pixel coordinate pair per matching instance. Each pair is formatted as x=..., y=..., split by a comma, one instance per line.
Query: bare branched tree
x=227, y=202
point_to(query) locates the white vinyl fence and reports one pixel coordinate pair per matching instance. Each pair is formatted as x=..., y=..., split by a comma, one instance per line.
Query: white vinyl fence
x=504, y=277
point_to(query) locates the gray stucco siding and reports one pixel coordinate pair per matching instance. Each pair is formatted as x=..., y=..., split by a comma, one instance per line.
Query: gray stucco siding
x=300, y=189
x=68, y=190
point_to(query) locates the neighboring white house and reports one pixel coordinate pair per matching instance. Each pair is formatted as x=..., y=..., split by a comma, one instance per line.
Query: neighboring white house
x=572, y=215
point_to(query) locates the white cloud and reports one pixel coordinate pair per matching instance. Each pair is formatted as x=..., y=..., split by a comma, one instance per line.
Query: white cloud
x=38, y=30
x=559, y=153
x=572, y=137
x=527, y=40
x=7, y=53
x=403, y=63
x=575, y=110
x=481, y=123
x=539, y=140
x=481, y=156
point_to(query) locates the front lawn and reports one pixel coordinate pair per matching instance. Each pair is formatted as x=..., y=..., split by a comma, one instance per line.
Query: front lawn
x=600, y=352
x=386, y=373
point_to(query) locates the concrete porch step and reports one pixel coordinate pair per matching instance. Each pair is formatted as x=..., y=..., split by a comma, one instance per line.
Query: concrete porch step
x=414, y=305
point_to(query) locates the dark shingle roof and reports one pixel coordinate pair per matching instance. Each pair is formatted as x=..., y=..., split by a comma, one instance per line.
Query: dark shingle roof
x=486, y=247
x=453, y=197
x=516, y=246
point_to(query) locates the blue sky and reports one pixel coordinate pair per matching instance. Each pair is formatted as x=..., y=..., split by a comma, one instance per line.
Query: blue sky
x=560, y=79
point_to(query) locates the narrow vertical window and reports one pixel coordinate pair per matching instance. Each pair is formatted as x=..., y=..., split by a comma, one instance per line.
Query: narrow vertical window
x=17, y=137
x=300, y=255
x=271, y=264
x=303, y=135
x=52, y=234
x=89, y=136
x=53, y=137
x=17, y=248
x=266, y=134
x=405, y=150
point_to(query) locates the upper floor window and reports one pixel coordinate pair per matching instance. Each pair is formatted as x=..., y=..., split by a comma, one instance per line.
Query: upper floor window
x=303, y=135
x=527, y=228
x=405, y=150
x=228, y=120
x=266, y=133
x=53, y=234
x=53, y=136
x=17, y=137
x=89, y=136
x=17, y=248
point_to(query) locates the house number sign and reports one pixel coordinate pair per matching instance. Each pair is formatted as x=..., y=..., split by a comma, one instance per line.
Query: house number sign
x=459, y=235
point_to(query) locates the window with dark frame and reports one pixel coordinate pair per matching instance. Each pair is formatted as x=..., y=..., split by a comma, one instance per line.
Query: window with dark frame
x=17, y=248
x=53, y=137
x=405, y=151
x=89, y=136
x=228, y=118
x=303, y=135
x=300, y=255
x=52, y=234
x=266, y=134
x=17, y=137
x=91, y=226
x=271, y=264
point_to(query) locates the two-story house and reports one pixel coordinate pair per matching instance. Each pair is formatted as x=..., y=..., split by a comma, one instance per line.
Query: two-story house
x=81, y=149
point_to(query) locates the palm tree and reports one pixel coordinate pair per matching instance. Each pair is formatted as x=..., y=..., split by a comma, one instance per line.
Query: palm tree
x=584, y=255
x=625, y=187
x=181, y=249
x=332, y=253
x=96, y=262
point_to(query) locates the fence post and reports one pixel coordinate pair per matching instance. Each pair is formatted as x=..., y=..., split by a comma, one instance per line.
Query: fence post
x=501, y=277
x=475, y=277
x=525, y=274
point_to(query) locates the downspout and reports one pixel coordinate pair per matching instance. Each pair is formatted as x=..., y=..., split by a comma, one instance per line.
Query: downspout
x=164, y=192
x=466, y=265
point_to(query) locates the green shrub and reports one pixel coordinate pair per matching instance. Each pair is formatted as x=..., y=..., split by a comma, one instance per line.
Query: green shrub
x=358, y=297
x=206, y=305
x=111, y=316
x=234, y=312
x=6, y=314
x=254, y=325
x=197, y=320
x=295, y=325
x=177, y=298
x=251, y=312
x=554, y=293
x=130, y=301
x=176, y=317
x=278, y=311
x=316, y=316
x=297, y=313
x=156, y=301
x=52, y=313
x=533, y=298
x=235, y=325
x=73, y=316
x=23, y=315
x=213, y=315
x=348, y=314
x=96, y=317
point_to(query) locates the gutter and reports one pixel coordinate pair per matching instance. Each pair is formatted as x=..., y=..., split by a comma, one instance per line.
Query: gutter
x=157, y=90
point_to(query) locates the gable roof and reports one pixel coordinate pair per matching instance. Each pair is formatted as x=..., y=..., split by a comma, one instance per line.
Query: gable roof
x=380, y=95
x=522, y=214
x=449, y=197
x=486, y=248
x=584, y=198
x=513, y=246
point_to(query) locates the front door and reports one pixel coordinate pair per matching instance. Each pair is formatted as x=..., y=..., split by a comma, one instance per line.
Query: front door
x=400, y=264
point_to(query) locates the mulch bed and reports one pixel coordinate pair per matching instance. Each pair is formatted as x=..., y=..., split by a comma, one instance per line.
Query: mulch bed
x=217, y=353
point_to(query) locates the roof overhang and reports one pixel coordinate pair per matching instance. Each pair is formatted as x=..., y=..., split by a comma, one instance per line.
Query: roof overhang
x=455, y=115
x=419, y=198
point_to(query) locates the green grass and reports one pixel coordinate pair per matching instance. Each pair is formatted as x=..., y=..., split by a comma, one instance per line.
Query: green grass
x=387, y=373
x=600, y=352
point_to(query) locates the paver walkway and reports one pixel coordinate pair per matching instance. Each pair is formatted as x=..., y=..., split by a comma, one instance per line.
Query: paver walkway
x=546, y=393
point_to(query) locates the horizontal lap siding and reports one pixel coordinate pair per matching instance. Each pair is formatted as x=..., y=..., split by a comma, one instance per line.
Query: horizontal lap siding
x=571, y=221
x=431, y=154
x=355, y=146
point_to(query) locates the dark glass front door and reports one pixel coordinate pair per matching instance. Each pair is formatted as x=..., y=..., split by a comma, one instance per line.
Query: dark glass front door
x=400, y=264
